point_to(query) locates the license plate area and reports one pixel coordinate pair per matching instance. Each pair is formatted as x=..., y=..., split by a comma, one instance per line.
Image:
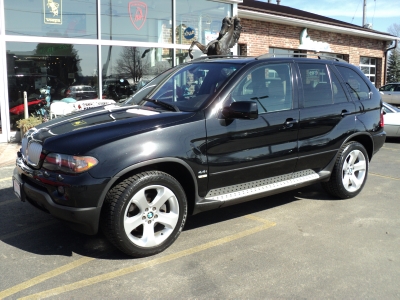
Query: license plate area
x=17, y=188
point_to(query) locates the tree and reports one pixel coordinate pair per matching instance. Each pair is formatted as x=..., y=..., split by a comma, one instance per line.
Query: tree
x=130, y=63
x=394, y=29
x=393, y=71
x=393, y=67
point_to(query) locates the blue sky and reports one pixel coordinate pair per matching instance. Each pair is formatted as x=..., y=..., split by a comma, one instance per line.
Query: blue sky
x=381, y=13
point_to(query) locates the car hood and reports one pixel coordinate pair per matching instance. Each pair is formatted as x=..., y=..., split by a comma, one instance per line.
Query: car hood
x=79, y=132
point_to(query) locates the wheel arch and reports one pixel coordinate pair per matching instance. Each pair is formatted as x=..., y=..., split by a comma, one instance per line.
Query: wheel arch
x=365, y=140
x=177, y=168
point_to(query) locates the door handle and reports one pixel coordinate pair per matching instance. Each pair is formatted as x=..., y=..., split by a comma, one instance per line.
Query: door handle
x=345, y=112
x=289, y=122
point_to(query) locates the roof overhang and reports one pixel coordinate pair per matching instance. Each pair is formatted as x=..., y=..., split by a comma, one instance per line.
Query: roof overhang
x=254, y=15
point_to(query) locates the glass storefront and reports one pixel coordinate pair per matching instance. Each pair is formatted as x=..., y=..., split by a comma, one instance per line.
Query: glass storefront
x=126, y=69
x=51, y=18
x=45, y=72
x=55, y=49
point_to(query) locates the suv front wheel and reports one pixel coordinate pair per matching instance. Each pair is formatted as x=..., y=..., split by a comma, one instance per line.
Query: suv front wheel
x=349, y=173
x=144, y=214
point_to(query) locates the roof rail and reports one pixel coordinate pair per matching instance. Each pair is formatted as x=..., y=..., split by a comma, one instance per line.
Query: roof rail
x=217, y=56
x=305, y=55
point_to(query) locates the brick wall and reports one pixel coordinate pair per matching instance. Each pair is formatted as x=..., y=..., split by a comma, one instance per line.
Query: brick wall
x=258, y=36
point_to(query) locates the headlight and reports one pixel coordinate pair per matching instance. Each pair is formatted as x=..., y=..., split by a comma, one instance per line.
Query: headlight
x=68, y=163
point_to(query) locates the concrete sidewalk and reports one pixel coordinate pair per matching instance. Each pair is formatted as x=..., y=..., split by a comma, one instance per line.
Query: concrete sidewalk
x=8, y=153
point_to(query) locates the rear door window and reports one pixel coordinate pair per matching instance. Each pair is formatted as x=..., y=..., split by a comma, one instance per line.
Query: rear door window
x=317, y=89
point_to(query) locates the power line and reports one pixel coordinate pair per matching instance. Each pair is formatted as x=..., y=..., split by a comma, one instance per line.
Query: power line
x=355, y=12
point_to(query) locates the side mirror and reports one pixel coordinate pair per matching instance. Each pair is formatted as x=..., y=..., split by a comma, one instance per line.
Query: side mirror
x=241, y=110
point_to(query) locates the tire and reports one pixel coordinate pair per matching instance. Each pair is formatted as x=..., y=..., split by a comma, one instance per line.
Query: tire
x=144, y=214
x=349, y=173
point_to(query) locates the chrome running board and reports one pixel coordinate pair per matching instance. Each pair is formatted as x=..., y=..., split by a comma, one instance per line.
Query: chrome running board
x=259, y=187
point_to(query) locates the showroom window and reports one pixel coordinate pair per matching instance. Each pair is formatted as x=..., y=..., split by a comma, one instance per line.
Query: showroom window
x=126, y=69
x=198, y=20
x=46, y=72
x=51, y=18
x=136, y=21
x=368, y=67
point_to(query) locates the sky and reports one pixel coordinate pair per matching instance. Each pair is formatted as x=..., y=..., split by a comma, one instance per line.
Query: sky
x=381, y=13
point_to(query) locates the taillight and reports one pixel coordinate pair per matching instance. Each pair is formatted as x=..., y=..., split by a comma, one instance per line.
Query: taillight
x=382, y=121
x=68, y=92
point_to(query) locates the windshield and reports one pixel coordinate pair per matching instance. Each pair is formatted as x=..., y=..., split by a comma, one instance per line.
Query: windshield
x=188, y=87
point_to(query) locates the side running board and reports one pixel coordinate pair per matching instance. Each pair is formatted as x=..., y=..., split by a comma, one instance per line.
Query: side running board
x=260, y=187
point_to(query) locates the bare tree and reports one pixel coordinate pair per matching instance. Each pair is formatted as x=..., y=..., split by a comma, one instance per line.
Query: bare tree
x=394, y=29
x=130, y=63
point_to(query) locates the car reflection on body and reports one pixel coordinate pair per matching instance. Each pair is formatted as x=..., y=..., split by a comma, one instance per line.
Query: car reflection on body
x=392, y=120
x=391, y=93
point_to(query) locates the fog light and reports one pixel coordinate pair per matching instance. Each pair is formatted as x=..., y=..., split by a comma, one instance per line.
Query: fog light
x=61, y=190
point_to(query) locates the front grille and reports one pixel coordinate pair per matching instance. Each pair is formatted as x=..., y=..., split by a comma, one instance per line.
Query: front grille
x=24, y=145
x=31, y=151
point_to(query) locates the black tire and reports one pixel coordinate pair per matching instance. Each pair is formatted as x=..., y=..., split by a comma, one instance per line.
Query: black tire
x=144, y=214
x=349, y=173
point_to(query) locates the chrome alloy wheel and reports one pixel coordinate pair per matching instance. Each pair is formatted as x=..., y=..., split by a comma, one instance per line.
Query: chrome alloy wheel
x=354, y=170
x=151, y=216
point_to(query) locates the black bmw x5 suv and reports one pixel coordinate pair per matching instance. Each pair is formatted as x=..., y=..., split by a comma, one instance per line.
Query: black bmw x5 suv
x=203, y=135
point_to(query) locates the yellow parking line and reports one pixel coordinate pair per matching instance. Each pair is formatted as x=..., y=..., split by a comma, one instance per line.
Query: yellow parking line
x=390, y=148
x=9, y=201
x=5, y=179
x=383, y=176
x=43, y=277
x=151, y=263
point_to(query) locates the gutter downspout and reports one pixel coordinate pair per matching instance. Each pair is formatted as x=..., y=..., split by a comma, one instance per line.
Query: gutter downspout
x=386, y=54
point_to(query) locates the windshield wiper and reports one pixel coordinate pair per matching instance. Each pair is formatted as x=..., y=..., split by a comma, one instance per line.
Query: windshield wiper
x=168, y=106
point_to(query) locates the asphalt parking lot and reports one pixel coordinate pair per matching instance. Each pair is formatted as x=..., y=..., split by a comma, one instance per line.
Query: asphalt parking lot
x=301, y=244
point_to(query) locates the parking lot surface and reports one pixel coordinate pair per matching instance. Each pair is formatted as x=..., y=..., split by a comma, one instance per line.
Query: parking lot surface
x=300, y=244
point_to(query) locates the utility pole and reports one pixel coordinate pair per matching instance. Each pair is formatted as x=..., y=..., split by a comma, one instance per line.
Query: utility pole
x=364, y=12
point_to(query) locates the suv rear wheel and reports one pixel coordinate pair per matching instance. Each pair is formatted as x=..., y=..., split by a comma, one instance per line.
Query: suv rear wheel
x=144, y=214
x=350, y=172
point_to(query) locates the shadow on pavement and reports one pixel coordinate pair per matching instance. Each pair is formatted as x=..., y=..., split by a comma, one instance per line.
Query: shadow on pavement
x=31, y=230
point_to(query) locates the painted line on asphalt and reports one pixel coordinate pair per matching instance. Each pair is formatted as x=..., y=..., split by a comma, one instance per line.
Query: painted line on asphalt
x=152, y=263
x=9, y=201
x=5, y=179
x=383, y=176
x=45, y=276
x=26, y=230
x=390, y=148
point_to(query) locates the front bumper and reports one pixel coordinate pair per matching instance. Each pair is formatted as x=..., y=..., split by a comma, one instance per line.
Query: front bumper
x=82, y=199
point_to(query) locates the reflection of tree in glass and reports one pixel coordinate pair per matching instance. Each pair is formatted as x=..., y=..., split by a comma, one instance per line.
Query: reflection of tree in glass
x=130, y=63
x=61, y=60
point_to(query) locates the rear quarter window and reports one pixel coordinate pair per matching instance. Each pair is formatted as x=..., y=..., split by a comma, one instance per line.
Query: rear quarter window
x=357, y=87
